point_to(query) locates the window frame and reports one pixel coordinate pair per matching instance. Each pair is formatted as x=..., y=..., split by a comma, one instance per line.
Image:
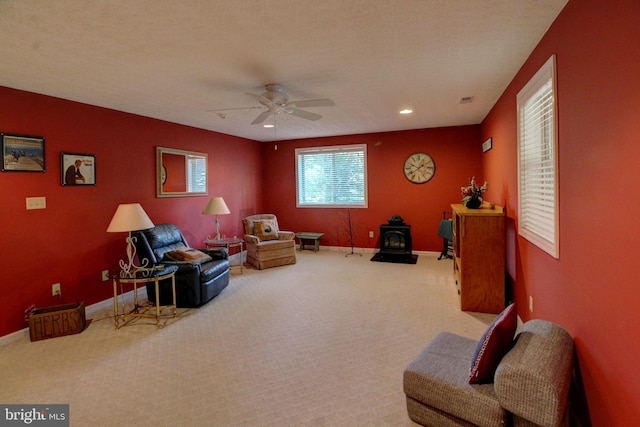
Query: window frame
x=326, y=150
x=538, y=201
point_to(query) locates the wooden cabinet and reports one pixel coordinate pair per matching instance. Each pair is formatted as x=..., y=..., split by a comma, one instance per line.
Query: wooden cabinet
x=479, y=258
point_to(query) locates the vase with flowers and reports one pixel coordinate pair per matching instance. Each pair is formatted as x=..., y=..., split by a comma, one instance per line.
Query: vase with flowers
x=472, y=194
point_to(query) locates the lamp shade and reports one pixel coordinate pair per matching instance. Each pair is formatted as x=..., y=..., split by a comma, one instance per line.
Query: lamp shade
x=129, y=217
x=216, y=206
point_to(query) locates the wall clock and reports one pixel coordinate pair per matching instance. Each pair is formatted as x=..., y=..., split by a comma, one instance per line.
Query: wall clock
x=163, y=175
x=419, y=168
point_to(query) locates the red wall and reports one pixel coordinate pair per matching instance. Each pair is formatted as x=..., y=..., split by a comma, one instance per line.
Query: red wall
x=592, y=289
x=67, y=242
x=455, y=151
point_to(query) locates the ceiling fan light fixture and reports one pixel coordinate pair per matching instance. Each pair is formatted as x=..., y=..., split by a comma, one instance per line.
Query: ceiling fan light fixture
x=276, y=100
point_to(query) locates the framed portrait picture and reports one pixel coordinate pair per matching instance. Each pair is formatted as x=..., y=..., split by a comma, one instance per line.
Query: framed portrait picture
x=77, y=169
x=22, y=153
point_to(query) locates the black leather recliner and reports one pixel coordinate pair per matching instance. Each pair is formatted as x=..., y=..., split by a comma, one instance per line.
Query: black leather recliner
x=196, y=282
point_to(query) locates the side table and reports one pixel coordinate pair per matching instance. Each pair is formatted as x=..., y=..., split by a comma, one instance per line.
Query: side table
x=143, y=276
x=228, y=242
x=305, y=235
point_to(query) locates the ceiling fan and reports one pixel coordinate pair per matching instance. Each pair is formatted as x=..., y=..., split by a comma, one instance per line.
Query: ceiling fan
x=277, y=101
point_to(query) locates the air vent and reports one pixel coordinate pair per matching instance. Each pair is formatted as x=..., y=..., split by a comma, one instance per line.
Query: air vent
x=466, y=100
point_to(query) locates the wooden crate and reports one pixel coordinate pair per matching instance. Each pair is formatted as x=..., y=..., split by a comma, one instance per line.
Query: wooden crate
x=57, y=321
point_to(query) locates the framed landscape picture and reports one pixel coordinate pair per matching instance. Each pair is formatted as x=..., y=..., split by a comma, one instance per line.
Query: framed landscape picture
x=77, y=169
x=22, y=153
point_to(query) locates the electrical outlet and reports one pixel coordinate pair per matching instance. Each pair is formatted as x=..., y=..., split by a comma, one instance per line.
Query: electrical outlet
x=105, y=275
x=55, y=289
x=531, y=304
x=371, y=234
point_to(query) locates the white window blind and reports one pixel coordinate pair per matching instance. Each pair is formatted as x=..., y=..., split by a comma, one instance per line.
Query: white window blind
x=332, y=176
x=537, y=160
x=196, y=174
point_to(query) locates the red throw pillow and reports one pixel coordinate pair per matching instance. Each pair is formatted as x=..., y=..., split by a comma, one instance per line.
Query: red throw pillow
x=493, y=345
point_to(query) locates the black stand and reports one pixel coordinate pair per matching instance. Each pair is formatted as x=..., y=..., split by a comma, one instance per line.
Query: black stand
x=446, y=252
x=351, y=231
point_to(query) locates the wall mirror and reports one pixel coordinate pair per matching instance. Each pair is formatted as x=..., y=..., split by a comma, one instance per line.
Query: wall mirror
x=180, y=173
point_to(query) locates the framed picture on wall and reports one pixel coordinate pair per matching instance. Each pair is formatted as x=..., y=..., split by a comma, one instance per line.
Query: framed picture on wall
x=22, y=153
x=487, y=145
x=77, y=169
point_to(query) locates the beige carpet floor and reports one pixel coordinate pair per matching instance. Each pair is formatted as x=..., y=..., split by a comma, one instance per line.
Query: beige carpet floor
x=323, y=342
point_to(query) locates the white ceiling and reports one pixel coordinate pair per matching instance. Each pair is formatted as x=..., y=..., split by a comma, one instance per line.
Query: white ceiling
x=177, y=60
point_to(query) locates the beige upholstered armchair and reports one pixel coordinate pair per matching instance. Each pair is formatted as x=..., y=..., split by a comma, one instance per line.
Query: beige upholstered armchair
x=267, y=245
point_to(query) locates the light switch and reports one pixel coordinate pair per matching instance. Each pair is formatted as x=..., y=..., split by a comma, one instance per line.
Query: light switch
x=36, y=203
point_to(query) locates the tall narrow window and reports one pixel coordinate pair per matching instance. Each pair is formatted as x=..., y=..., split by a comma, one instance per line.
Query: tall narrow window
x=537, y=160
x=332, y=176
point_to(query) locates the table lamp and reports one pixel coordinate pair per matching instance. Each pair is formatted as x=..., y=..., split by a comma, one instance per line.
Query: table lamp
x=130, y=217
x=216, y=206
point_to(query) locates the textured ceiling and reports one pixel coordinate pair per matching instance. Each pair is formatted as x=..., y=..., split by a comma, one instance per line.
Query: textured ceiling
x=178, y=60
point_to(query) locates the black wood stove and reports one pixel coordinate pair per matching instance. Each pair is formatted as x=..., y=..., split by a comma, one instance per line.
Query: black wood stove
x=395, y=240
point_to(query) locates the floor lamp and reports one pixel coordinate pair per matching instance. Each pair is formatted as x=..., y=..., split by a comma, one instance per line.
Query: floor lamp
x=216, y=206
x=130, y=217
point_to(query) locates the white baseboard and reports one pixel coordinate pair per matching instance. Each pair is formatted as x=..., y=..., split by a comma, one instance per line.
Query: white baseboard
x=100, y=306
x=347, y=249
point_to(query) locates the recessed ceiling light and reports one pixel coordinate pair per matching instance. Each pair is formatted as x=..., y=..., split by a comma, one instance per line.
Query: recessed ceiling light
x=268, y=126
x=406, y=111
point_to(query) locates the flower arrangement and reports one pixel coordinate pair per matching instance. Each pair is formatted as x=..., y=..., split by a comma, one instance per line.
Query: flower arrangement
x=472, y=194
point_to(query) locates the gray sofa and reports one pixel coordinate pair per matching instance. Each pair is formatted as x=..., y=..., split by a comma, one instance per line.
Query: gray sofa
x=530, y=387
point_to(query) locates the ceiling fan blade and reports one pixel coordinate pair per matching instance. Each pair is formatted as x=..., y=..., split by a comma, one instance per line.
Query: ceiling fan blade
x=312, y=103
x=303, y=114
x=231, y=109
x=261, y=117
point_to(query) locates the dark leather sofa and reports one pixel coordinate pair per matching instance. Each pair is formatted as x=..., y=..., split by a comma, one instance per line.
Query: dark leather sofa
x=197, y=282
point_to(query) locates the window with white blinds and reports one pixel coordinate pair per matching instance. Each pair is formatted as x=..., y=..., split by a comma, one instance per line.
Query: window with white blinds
x=332, y=176
x=537, y=160
x=196, y=174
